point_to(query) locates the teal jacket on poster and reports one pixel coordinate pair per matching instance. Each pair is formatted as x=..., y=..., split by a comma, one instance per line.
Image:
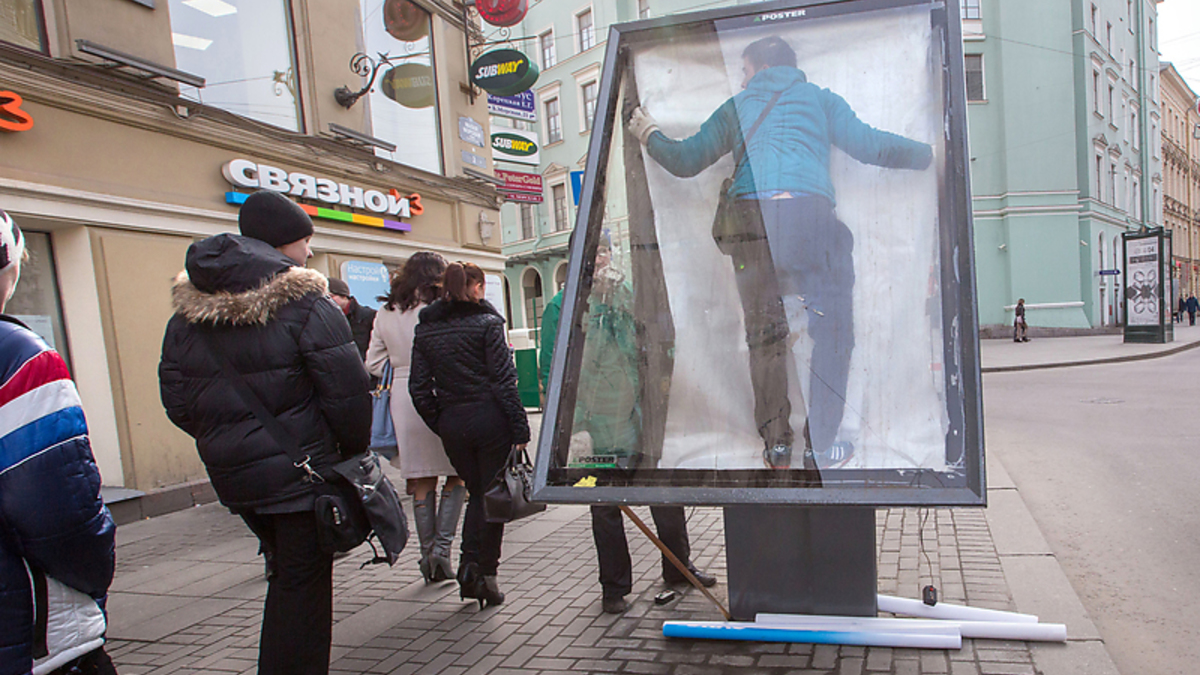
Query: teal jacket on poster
x=790, y=150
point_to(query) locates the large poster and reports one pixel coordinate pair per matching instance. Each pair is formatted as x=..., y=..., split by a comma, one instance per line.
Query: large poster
x=775, y=288
x=1142, y=266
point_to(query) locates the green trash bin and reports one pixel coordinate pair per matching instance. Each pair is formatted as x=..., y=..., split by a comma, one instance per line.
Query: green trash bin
x=527, y=378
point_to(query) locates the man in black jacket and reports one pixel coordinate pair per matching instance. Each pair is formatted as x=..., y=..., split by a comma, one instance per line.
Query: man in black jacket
x=251, y=298
x=362, y=319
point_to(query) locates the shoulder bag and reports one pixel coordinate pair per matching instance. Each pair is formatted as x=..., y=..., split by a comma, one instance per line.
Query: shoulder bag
x=354, y=501
x=507, y=498
x=383, y=428
x=727, y=228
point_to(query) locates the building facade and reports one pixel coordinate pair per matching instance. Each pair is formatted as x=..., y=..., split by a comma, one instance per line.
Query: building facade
x=134, y=127
x=1181, y=178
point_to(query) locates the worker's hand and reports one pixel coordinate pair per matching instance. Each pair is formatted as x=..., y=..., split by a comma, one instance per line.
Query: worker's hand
x=641, y=124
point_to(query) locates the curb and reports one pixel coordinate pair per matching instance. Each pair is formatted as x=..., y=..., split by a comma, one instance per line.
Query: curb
x=1093, y=362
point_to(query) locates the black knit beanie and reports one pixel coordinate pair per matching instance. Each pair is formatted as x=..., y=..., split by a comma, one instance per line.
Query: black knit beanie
x=269, y=216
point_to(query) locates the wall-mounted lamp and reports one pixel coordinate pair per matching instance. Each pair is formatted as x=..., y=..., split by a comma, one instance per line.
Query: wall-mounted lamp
x=1003, y=247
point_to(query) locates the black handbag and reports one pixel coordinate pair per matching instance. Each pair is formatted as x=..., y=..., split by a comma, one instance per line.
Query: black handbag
x=507, y=498
x=727, y=228
x=355, y=500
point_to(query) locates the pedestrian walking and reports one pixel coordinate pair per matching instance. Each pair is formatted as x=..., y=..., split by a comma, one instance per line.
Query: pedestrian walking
x=608, y=412
x=1180, y=308
x=464, y=385
x=1020, y=326
x=361, y=319
x=1192, y=306
x=249, y=301
x=57, y=548
x=422, y=459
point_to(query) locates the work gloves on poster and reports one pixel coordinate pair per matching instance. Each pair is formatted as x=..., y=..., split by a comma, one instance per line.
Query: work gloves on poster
x=641, y=124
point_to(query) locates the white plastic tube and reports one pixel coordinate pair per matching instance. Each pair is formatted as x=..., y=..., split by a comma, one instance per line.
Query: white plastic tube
x=991, y=630
x=909, y=607
x=754, y=632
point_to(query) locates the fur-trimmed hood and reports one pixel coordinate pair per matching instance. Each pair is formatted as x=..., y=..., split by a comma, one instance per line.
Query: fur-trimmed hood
x=444, y=310
x=241, y=281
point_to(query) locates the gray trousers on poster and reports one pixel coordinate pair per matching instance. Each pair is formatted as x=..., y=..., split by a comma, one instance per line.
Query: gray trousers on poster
x=805, y=264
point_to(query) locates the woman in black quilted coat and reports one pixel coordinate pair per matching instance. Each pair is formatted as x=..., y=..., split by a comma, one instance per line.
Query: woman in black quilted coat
x=464, y=385
x=251, y=298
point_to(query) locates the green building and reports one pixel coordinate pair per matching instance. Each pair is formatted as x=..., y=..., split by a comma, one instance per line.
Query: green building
x=1065, y=152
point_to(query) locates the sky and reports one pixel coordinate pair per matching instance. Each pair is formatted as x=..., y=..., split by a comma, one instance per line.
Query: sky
x=1179, y=38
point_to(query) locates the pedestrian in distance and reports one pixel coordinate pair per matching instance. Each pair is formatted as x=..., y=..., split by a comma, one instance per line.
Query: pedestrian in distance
x=1177, y=315
x=251, y=319
x=608, y=413
x=57, y=539
x=1192, y=306
x=422, y=459
x=783, y=236
x=361, y=319
x=464, y=385
x=1020, y=326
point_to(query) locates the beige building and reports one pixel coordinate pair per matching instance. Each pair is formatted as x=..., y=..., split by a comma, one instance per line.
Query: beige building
x=131, y=128
x=1181, y=178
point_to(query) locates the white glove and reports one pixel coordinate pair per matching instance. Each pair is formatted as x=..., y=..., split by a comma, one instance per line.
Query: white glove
x=641, y=124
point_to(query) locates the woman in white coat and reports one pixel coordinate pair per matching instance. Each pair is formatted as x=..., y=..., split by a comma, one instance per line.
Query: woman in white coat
x=421, y=460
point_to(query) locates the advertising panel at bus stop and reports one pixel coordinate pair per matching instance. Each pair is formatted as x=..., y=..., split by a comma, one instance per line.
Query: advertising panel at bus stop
x=771, y=295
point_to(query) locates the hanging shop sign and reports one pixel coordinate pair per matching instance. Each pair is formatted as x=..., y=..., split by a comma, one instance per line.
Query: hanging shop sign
x=502, y=12
x=518, y=106
x=519, y=181
x=12, y=117
x=514, y=145
x=410, y=85
x=503, y=72
x=523, y=197
x=244, y=173
x=404, y=20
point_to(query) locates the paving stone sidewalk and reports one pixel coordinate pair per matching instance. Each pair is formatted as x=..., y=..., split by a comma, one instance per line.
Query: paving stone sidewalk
x=189, y=591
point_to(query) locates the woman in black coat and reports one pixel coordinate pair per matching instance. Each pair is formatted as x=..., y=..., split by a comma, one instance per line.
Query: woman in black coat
x=464, y=385
x=250, y=298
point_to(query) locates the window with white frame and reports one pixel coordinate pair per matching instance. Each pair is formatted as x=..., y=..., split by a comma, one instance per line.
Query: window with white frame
x=549, y=53
x=1112, y=183
x=644, y=9
x=1135, y=194
x=589, y=92
x=1127, y=190
x=1099, y=184
x=526, y=221
x=1108, y=38
x=585, y=28
x=970, y=9
x=974, y=72
x=561, y=215
x=1133, y=126
x=1112, y=111
x=21, y=23
x=1094, y=13
x=553, y=120
x=1097, y=104
x=1129, y=14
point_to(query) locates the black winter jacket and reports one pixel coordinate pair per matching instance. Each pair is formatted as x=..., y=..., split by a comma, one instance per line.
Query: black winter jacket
x=362, y=321
x=293, y=348
x=460, y=355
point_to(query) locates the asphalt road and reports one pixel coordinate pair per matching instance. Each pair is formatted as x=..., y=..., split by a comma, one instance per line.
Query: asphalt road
x=1107, y=459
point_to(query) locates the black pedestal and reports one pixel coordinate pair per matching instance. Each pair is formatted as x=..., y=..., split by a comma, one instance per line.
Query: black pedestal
x=800, y=560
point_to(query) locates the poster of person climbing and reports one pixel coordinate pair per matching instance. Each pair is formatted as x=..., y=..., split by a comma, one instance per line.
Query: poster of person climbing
x=770, y=296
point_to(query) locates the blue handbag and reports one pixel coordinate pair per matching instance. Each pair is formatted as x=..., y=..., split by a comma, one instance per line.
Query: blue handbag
x=383, y=430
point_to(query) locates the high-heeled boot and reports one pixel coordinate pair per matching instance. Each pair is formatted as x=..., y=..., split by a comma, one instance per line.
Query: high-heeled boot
x=489, y=592
x=447, y=524
x=425, y=516
x=469, y=581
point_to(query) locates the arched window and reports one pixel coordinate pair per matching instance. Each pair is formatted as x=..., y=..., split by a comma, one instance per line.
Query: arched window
x=531, y=292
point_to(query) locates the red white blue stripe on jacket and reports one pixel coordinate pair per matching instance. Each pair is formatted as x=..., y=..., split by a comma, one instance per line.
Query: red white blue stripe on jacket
x=56, y=536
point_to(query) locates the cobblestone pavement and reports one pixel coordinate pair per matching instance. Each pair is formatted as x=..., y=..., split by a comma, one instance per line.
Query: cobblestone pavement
x=189, y=591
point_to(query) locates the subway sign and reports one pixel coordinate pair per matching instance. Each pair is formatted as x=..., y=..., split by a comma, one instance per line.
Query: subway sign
x=504, y=72
x=515, y=145
x=410, y=85
x=244, y=173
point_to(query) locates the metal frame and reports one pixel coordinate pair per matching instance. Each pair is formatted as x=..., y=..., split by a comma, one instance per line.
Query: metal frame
x=347, y=133
x=963, y=382
x=123, y=60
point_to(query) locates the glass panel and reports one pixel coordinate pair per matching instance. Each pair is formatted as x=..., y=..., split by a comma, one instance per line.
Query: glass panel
x=245, y=54
x=553, y=121
x=20, y=23
x=586, y=30
x=36, y=301
x=974, y=66
x=549, y=53
x=589, y=104
x=404, y=104
x=771, y=295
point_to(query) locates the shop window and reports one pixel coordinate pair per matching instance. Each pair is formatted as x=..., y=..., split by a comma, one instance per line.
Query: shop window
x=586, y=29
x=36, y=301
x=974, y=69
x=21, y=23
x=404, y=102
x=245, y=52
